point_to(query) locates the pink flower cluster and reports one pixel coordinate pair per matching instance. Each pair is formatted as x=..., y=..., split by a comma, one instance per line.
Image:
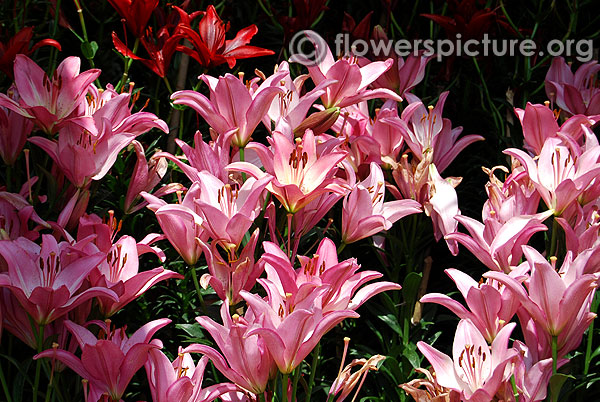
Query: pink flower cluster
x=253, y=199
x=551, y=301
x=299, y=173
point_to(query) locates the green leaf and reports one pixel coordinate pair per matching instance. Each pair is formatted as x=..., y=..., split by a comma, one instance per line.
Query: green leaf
x=392, y=321
x=89, y=49
x=410, y=287
x=411, y=355
x=192, y=330
x=556, y=383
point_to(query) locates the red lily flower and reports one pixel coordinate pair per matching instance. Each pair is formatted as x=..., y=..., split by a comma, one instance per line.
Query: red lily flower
x=210, y=47
x=360, y=30
x=136, y=13
x=307, y=12
x=20, y=44
x=468, y=20
x=160, y=48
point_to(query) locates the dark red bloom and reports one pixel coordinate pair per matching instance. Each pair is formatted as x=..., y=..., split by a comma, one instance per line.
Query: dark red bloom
x=19, y=44
x=136, y=13
x=468, y=20
x=160, y=47
x=210, y=47
x=362, y=30
x=307, y=12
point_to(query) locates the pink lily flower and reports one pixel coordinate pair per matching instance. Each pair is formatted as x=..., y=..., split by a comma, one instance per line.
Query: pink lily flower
x=14, y=319
x=181, y=380
x=364, y=213
x=490, y=307
x=50, y=102
x=14, y=130
x=108, y=362
x=584, y=235
x=496, y=244
x=559, y=174
x=181, y=223
x=531, y=375
x=110, y=108
x=146, y=175
x=306, y=218
x=212, y=157
x=389, y=138
x=231, y=105
x=574, y=93
x=362, y=151
x=229, y=211
x=404, y=74
x=476, y=370
x=411, y=178
x=557, y=302
x=244, y=358
x=299, y=174
x=425, y=131
x=228, y=277
x=442, y=206
x=289, y=108
x=351, y=80
x=291, y=328
x=539, y=123
x=84, y=156
x=433, y=391
x=514, y=197
x=46, y=280
x=344, y=285
x=15, y=214
x=120, y=273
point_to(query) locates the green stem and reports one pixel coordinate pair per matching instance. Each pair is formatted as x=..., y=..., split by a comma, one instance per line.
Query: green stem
x=405, y=326
x=514, y=387
x=48, y=391
x=289, y=235
x=313, y=371
x=242, y=159
x=197, y=286
x=128, y=61
x=340, y=248
x=85, y=36
x=156, y=100
x=168, y=84
x=4, y=385
x=295, y=381
x=54, y=51
x=590, y=338
x=554, y=354
x=38, y=363
x=284, y=387
x=270, y=15
x=261, y=397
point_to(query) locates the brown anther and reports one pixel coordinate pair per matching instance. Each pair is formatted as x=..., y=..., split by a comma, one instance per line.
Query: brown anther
x=260, y=74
